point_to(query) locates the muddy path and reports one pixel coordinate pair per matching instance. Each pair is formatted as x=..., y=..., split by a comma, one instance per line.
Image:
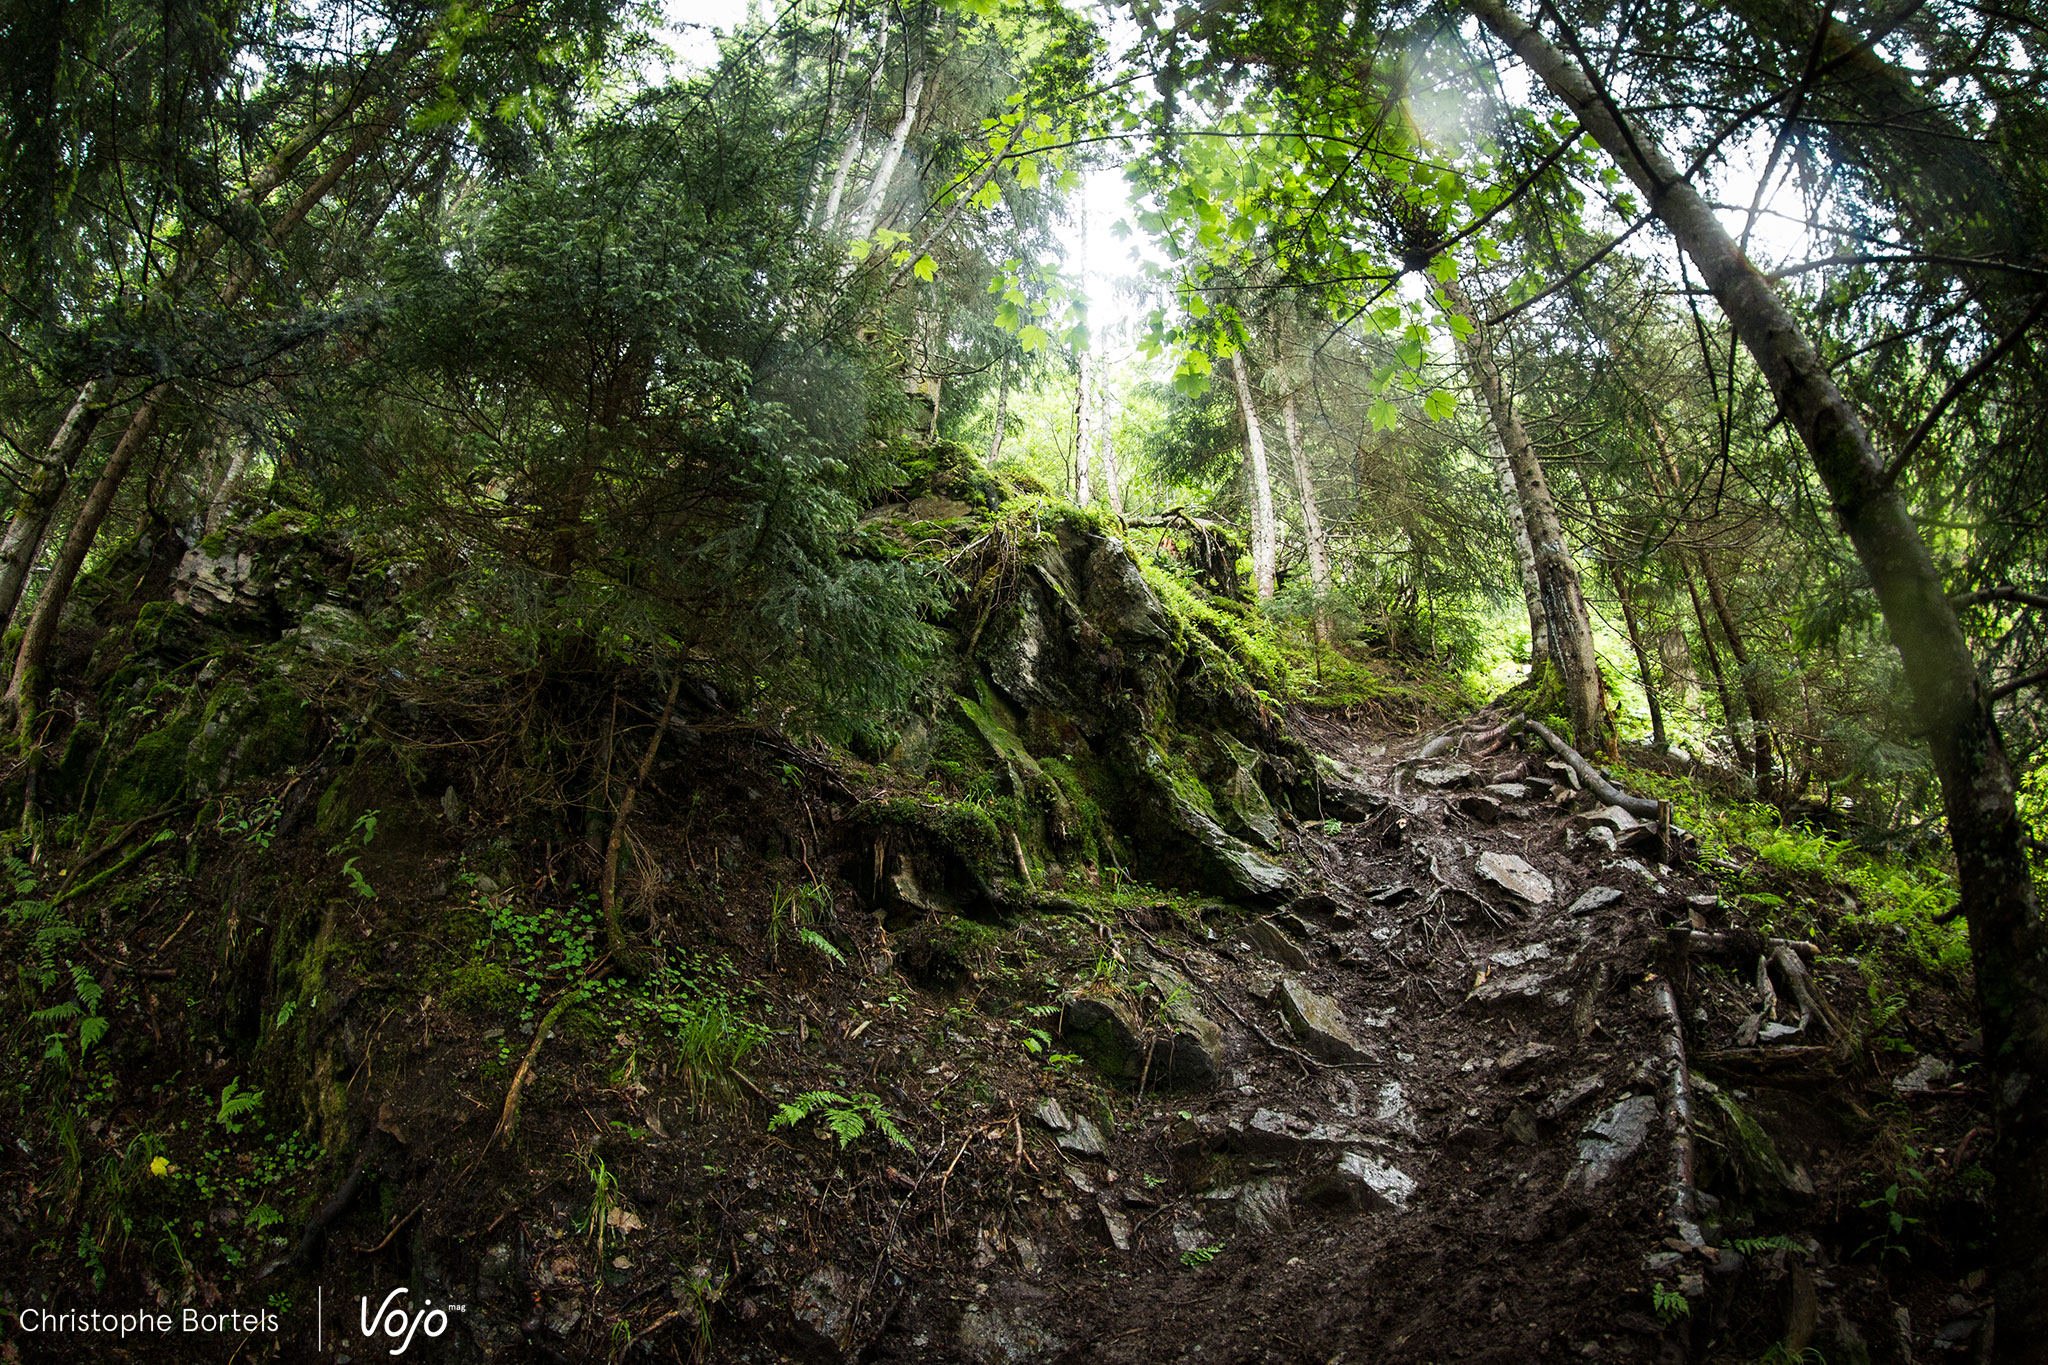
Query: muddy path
x=1444, y=1127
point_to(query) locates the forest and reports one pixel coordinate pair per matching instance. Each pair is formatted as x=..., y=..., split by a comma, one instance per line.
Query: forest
x=1017, y=681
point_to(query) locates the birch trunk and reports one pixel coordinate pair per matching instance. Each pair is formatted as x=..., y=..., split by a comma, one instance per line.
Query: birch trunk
x=885, y=169
x=1525, y=556
x=1265, y=550
x=24, y=538
x=1311, y=519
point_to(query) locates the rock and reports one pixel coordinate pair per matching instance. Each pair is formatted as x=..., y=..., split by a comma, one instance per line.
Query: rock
x=1475, y=806
x=1365, y=1182
x=822, y=1307
x=1507, y=791
x=1319, y=1023
x=1593, y=898
x=992, y=1334
x=1324, y=912
x=1119, y=600
x=1028, y=1256
x=1521, y=1127
x=1269, y=1132
x=1519, y=957
x=1517, y=1060
x=1772, y=1033
x=1268, y=938
x=1262, y=1208
x=1613, y=818
x=1569, y=1097
x=1083, y=1139
x=1438, y=747
x=1052, y=1116
x=1514, y=875
x=1445, y=776
x=1510, y=986
x=1391, y=895
x=1927, y=1073
x=1614, y=1136
x=1116, y=1224
x=1393, y=1109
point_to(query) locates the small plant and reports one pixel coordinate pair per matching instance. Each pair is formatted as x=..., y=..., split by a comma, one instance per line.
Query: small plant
x=1756, y=1246
x=796, y=912
x=358, y=837
x=1198, y=1256
x=1333, y=826
x=604, y=1197
x=845, y=1118
x=237, y=1106
x=1669, y=1303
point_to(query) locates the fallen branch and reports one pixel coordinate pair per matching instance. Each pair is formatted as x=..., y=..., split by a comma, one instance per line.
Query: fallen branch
x=1589, y=776
x=1684, y=1199
x=316, y=1227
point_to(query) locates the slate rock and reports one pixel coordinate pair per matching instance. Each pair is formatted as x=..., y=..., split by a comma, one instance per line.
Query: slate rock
x=1262, y=1208
x=1477, y=806
x=1613, y=818
x=1269, y=939
x=1445, y=776
x=1364, y=1181
x=822, y=1307
x=1510, y=986
x=1116, y=1224
x=1513, y=874
x=1517, y=1060
x=1510, y=958
x=1507, y=791
x=1083, y=1139
x=1927, y=1073
x=1319, y=1023
x=1052, y=1116
x=1594, y=898
x=1615, y=1134
x=995, y=1335
x=1271, y=1132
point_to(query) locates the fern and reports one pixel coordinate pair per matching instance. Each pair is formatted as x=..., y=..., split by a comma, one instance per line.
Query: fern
x=237, y=1106
x=845, y=1118
x=811, y=938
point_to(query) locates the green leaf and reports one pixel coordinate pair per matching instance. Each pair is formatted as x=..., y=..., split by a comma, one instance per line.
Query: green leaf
x=926, y=269
x=1033, y=339
x=1439, y=404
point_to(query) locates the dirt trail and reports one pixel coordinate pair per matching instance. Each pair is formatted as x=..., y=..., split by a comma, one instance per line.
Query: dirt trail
x=1446, y=1128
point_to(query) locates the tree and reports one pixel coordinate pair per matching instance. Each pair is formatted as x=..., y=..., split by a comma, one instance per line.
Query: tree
x=1952, y=699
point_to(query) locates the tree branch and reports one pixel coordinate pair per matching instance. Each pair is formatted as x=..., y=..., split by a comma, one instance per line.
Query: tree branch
x=1955, y=391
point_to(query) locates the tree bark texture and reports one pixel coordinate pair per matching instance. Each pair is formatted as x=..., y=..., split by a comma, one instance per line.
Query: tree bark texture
x=1951, y=700
x=1265, y=548
x=31, y=521
x=1564, y=599
x=1311, y=518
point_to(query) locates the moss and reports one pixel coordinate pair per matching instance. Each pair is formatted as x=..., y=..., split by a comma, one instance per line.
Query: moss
x=151, y=773
x=481, y=988
x=962, y=826
x=280, y=523
x=247, y=732
x=214, y=545
x=156, y=622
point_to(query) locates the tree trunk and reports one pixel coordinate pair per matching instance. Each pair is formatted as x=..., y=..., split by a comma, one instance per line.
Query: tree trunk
x=1311, y=519
x=1951, y=700
x=24, y=689
x=1564, y=600
x=1084, y=449
x=1105, y=451
x=608, y=883
x=995, y=445
x=1525, y=556
x=1635, y=642
x=1265, y=549
x=1746, y=675
x=1743, y=760
x=24, y=538
x=885, y=169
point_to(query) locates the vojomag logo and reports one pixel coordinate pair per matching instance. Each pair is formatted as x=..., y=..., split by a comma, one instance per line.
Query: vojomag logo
x=393, y=1322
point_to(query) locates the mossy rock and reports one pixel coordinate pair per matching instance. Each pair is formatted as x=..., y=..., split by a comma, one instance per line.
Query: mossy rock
x=482, y=989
